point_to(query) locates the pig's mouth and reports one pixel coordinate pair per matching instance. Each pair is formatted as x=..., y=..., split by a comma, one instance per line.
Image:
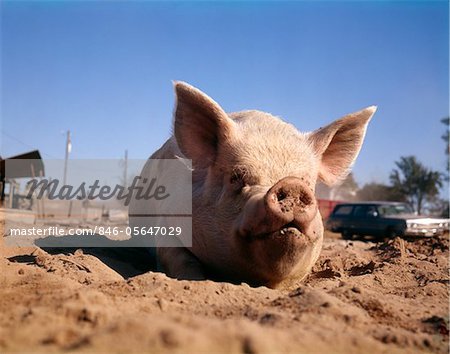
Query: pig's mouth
x=287, y=231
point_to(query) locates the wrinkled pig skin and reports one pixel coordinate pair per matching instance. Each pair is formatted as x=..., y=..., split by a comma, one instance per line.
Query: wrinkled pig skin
x=255, y=218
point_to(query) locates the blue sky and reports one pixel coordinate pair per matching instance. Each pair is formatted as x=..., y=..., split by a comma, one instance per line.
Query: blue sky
x=104, y=71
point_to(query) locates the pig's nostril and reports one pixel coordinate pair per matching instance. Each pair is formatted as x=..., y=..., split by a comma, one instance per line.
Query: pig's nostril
x=305, y=199
x=281, y=195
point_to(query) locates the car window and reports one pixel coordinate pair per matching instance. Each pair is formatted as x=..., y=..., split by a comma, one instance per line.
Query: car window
x=360, y=210
x=365, y=211
x=387, y=210
x=397, y=209
x=343, y=210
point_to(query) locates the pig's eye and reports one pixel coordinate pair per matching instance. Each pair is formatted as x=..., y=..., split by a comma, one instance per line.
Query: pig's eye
x=237, y=178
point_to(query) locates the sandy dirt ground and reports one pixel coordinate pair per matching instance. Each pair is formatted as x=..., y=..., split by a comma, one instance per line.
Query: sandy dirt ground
x=362, y=297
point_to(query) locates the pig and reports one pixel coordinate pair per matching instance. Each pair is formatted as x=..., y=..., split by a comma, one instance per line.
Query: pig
x=255, y=217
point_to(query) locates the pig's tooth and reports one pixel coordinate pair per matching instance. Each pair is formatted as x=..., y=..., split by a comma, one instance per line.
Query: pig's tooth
x=282, y=232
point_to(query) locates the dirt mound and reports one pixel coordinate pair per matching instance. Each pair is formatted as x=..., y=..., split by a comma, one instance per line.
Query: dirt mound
x=361, y=297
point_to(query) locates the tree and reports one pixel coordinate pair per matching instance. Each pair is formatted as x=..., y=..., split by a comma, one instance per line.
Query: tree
x=379, y=192
x=444, y=203
x=416, y=183
x=445, y=137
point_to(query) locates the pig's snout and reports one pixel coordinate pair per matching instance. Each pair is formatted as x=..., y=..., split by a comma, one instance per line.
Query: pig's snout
x=290, y=200
x=288, y=203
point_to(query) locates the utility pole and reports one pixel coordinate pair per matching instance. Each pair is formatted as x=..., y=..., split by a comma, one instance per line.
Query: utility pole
x=68, y=149
x=125, y=170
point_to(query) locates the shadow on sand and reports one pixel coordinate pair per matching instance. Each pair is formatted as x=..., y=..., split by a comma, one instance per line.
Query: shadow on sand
x=122, y=256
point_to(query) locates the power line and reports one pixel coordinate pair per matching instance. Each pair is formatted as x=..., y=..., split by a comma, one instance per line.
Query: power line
x=25, y=144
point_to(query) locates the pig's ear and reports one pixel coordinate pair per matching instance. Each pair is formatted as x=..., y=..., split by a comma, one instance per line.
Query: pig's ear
x=200, y=125
x=338, y=144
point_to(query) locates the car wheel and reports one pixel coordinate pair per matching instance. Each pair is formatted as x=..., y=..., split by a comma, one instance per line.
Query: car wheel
x=347, y=235
x=390, y=233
